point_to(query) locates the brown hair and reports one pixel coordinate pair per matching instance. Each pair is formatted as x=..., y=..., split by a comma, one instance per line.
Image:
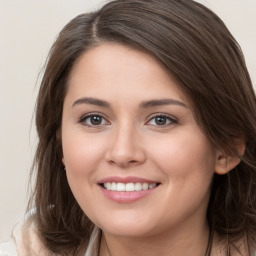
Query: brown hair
x=203, y=57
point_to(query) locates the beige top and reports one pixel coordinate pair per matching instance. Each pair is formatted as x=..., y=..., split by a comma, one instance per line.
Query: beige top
x=25, y=242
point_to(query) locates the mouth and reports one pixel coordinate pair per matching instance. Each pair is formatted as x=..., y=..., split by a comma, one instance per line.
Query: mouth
x=124, y=192
x=127, y=189
x=128, y=186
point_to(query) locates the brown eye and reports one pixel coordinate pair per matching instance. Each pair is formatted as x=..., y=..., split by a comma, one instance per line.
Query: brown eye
x=93, y=120
x=162, y=120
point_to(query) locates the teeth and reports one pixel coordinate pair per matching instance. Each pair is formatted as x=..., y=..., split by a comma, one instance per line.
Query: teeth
x=145, y=186
x=128, y=187
x=120, y=187
x=152, y=185
x=113, y=186
x=138, y=186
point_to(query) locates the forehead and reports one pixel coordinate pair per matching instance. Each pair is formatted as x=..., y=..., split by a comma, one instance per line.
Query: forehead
x=107, y=57
x=115, y=69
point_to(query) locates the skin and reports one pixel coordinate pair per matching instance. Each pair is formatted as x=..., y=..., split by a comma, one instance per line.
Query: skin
x=130, y=142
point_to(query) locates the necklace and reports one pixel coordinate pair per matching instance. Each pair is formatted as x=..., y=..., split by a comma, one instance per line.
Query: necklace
x=208, y=249
x=107, y=246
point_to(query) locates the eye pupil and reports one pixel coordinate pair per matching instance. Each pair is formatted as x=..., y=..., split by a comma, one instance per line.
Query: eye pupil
x=96, y=120
x=160, y=120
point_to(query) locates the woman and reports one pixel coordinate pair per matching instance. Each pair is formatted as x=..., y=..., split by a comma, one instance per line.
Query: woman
x=146, y=118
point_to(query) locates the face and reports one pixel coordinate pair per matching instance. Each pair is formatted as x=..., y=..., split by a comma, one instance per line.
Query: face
x=136, y=160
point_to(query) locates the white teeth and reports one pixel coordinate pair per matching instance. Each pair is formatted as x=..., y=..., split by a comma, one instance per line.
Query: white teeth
x=113, y=186
x=128, y=187
x=107, y=185
x=138, y=186
x=145, y=186
x=120, y=186
x=152, y=185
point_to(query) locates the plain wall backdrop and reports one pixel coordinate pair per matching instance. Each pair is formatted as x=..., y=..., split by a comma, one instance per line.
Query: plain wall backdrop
x=27, y=31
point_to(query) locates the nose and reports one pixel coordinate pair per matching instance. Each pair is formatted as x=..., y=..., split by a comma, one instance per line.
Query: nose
x=125, y=148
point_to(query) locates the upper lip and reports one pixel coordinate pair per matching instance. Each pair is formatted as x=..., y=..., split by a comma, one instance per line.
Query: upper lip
x=129, y=179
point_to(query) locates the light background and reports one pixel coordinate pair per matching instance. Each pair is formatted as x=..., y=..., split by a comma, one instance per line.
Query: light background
x=27, y=31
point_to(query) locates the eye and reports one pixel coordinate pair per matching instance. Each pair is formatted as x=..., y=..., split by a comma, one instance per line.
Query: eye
x=162, y=120
x=93, y=120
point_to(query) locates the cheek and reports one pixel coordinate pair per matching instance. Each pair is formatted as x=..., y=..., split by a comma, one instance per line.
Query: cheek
x=81, y=156
x=184, y=153
x=187, y=164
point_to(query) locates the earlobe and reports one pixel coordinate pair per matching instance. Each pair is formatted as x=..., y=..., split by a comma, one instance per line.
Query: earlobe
x=225, y=163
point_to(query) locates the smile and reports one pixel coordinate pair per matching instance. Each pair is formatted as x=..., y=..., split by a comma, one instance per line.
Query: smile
x=128, y=187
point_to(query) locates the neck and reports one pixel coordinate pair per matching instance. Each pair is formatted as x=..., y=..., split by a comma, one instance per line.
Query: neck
x=186, y=243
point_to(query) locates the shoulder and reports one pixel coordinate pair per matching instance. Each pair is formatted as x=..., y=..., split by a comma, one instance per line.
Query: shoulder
x=24, y=241
x=8, y=248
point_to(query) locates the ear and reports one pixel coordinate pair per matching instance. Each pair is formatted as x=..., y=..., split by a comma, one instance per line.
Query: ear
x=226, y=162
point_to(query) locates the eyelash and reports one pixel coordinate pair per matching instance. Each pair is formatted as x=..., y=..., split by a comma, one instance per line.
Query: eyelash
x=167, y=118
x=171, y=120
x=90, y=115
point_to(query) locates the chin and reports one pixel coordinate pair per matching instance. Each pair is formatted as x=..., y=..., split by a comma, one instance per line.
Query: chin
x=127, y=231
x=128, y=227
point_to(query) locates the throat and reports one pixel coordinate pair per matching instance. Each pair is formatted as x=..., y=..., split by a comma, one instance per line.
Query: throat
x=111, y=247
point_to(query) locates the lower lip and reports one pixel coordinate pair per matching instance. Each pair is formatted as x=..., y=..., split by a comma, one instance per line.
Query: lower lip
x=126, y=197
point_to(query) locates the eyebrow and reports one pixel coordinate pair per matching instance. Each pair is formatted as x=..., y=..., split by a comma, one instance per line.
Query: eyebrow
x=92, y=101
x=161, y=102
x=144, y=104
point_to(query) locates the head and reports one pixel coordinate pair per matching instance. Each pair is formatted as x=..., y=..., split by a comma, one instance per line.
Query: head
x=194, y=46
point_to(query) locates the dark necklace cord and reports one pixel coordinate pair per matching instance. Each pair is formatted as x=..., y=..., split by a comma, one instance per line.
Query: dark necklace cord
x=208, y=249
